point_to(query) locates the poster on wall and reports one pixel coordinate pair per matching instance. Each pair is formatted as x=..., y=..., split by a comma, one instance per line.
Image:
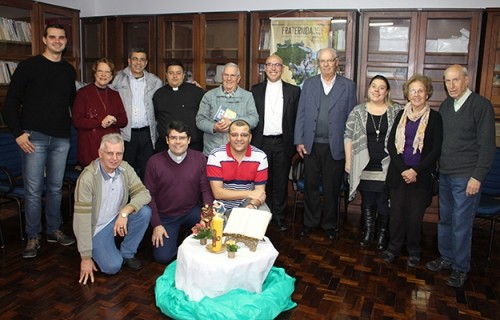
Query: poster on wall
x=297, y=41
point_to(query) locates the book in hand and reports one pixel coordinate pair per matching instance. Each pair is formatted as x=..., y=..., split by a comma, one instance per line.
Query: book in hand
x=251, y=223
x=225, y=112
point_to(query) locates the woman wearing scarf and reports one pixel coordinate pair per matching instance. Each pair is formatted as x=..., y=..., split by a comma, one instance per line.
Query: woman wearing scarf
x=414, y=147
x=367, y=160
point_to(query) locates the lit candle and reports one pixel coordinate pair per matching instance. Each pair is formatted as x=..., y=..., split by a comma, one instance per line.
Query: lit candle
x=217, y=223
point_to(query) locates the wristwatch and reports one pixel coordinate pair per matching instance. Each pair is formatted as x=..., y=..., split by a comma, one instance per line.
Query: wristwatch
x=124, y=214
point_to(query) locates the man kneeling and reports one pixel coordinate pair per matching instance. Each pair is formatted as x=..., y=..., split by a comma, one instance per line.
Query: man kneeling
x=102, y=212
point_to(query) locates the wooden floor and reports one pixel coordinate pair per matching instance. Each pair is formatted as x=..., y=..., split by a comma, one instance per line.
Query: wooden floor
x=336, y=280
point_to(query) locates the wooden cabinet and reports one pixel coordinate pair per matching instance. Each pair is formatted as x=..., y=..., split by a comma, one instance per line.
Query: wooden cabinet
x=112, y=37
x=178, y=39
x=223, y=40
x=398, y=44
x=204, y=43
x=490, y=74
x=22, y=24
x=342, y=24
x=70, y=19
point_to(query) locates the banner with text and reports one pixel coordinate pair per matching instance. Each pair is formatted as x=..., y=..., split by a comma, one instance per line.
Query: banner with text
x=297, y=41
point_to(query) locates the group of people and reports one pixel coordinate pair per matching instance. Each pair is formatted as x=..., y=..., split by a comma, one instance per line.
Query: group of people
x=393, y=152
x=154, y=154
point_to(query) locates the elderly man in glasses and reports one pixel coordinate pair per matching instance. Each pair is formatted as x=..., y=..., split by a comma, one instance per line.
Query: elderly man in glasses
x=110, y=201
x=237, y=171
x=222, y=105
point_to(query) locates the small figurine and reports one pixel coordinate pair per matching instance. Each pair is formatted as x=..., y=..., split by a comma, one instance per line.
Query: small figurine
x=207, y=213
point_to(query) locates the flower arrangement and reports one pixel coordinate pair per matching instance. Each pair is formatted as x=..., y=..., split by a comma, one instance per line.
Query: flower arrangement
x=201, y=232
x=231, y=246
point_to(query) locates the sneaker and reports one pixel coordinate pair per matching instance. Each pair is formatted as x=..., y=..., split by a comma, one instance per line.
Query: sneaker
x=457, y=278
x=387, y=256
x=133, y=263
x=31, y=249
x=61, y=238
x=413, y=262
x=438, y=264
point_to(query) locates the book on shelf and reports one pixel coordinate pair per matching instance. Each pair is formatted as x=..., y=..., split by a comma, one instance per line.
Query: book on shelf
x=15, y=30
x=7, y=69
x=251, y=223
x=225, y=112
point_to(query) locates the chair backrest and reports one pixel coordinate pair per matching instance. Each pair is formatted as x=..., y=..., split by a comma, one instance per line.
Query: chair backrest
x=72, y=161
x=491, y=184
x=10, y=154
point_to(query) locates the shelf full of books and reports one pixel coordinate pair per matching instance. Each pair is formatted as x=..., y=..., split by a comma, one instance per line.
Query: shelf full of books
x=6, y=71
x=15, y=30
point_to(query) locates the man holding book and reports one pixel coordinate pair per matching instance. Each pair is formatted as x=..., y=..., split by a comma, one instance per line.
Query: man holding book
x=237, y=171
x=222, y=105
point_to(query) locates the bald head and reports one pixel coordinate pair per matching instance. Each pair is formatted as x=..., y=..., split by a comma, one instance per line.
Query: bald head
x=456, y=80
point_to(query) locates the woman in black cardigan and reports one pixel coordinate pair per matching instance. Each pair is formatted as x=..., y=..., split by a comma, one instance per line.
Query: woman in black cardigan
x=414, y=147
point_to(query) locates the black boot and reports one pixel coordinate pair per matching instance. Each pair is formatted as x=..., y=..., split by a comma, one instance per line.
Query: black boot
x=368, y=217
x=382, y=231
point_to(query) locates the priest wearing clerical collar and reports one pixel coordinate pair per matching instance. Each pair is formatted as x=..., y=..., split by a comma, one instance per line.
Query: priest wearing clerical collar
x=177, y=181
x=237, y=171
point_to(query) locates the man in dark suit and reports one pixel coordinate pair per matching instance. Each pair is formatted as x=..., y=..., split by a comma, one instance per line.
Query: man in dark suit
x=276, y=102
x=325, y=103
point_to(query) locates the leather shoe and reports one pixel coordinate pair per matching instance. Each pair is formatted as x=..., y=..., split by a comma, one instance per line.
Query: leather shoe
x=280, y=225
x=457, y=278
x=132, y=263
x=387, y=256
x=413, y=262
x=305, y=231
x=330, y=234
x=438, y=264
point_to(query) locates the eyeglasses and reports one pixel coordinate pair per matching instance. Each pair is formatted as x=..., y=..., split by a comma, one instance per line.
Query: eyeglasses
x=416, y=92
x=226, y=75
x=103, y=72
x=177, y=138
x=276, y=65
x=328, y=61
x=241, y=135
x=110, y=154
x=136, y=59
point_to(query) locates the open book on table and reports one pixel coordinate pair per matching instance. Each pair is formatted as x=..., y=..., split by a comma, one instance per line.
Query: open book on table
x=248, y=222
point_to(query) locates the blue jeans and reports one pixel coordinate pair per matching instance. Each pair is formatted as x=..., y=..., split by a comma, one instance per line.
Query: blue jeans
x=49, y=159
x=456, y=219
x=164, y=254
x=104, y=250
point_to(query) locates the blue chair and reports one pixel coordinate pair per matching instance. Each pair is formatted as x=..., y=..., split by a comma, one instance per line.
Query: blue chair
x=73, y=169
x=297, y=178
x=11, y=181
x=489, y=206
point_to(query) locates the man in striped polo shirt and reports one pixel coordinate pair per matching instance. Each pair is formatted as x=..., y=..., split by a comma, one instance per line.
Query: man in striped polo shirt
x=237, y=171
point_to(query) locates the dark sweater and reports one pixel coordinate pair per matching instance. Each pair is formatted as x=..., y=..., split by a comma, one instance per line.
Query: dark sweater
x=45, y=90
x=181, y=105
x=433, y=137
x=176, y=188
x=468, y=138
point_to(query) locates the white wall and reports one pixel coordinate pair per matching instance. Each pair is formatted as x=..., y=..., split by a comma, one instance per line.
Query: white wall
x=129, y=7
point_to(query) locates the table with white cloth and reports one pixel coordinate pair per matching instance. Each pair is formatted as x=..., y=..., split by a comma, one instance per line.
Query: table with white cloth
x=200, y=273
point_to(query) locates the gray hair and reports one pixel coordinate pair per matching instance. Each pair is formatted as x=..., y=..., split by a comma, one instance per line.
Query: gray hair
x=112, y=138
x=232, y=65
x=332, y=51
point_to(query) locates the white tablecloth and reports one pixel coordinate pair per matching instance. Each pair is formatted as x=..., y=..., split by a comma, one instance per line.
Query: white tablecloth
x=200, y=273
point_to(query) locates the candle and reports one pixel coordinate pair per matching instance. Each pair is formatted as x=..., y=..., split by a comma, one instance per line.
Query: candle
x=217, y=223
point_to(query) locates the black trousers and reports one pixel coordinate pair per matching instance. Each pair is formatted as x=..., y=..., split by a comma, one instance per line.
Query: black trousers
x=320, y=167
x=277, y=182
x=138, y=150
x=407, y=206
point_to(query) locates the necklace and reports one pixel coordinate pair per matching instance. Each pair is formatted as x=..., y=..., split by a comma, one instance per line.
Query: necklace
x=377, y=128
x=99, y=96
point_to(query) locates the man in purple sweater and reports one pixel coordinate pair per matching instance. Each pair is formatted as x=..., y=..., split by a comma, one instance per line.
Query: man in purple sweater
x=177, y=181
